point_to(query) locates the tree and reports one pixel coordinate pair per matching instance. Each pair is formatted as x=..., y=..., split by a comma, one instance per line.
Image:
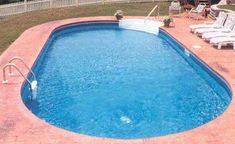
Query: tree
x=4, y=1
x=9, y=1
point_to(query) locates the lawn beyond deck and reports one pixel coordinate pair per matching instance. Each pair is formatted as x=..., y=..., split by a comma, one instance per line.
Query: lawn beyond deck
x=12, y=26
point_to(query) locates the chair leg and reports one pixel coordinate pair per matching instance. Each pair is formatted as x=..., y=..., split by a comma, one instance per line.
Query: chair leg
x=219, y=45
x=198, y=16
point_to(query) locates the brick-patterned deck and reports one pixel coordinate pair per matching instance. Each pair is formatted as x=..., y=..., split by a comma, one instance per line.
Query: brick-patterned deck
x=19, y=125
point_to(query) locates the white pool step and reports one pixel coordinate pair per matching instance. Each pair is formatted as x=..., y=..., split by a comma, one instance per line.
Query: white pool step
x=148, y=26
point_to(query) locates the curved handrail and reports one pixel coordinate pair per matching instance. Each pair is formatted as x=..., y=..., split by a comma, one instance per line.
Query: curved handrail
x=13, y=65
x=21, y=60
x=154, y=8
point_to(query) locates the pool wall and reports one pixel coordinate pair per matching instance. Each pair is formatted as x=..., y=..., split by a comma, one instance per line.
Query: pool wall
x=187, y=54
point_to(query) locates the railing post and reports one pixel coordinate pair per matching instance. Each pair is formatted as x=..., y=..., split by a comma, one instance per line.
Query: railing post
x=25, y=5
x=51, y=3
x=77, y=3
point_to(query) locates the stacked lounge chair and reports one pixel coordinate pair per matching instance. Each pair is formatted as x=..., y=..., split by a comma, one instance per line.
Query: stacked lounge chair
x=218, y=23
x=218, y=34
x=223, y=41
x=210, y=35
x=227, y=27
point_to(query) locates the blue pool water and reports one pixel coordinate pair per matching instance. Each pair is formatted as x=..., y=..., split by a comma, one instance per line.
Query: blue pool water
x=100, y=80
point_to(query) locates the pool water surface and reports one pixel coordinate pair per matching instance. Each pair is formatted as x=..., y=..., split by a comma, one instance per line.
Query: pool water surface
x=100, y=80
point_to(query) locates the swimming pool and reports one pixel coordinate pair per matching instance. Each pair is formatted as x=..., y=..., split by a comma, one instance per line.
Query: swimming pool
x=100, y=80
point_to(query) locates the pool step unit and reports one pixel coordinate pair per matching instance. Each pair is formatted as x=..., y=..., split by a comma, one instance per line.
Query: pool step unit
x=148, y=26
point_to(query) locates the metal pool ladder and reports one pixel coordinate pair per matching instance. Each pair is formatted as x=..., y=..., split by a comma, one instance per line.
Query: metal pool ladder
x=150, y=13
x=10, y=64
x=22, y=61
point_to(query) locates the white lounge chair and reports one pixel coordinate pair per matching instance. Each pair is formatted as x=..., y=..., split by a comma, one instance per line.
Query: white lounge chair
x=210, y=35
x=175, y=7
x=197, y=11
x=223, y=41
x=228, y=25
x=218, y=23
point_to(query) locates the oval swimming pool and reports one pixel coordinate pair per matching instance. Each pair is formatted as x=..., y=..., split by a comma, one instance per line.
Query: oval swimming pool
x=100, y=80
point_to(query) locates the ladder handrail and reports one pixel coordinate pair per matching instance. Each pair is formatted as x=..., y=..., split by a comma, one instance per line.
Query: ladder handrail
x=13, y=65
x=22, y=61
x=154, y=8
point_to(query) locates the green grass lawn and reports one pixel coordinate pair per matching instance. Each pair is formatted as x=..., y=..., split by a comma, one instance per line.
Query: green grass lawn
x=230, y=7
x=12, y=26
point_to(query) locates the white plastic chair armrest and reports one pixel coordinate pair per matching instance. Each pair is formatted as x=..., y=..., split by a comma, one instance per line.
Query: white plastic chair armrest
x=192, y=9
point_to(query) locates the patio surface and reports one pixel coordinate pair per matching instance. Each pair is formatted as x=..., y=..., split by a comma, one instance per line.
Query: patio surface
x=19, y=126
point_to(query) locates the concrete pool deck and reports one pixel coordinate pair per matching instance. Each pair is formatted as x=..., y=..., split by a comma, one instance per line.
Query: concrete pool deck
x=19, y=126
